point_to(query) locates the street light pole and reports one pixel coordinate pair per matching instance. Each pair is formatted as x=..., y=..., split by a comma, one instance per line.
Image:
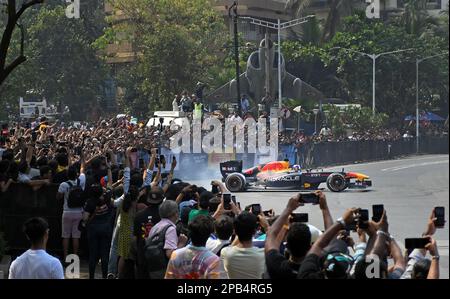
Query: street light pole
x=374, y=88
x=278, y=26
x=236, y=52
x=279, y=66
x=417, y=105
x=418, y=61
x=374, y=58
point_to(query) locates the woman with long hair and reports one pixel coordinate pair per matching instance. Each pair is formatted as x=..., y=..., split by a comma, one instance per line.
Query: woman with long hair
x=97, y=216
x=127, y=212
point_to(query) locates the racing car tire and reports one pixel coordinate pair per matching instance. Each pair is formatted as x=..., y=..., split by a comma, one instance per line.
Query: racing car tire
x=235, y=182
x=336, y=182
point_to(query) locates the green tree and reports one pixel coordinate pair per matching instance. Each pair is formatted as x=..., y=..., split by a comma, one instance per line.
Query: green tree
x=11, y=21
x=63, y=66
x=347, y=75
x=176, y=41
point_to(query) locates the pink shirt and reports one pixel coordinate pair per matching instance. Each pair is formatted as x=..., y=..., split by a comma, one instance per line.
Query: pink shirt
x=171, y=241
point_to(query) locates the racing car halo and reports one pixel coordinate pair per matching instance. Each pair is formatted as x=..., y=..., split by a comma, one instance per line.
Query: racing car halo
x=278, y=175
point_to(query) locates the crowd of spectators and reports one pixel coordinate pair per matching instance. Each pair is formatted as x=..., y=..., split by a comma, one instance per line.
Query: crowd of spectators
x=141, y=223
x=392, y=134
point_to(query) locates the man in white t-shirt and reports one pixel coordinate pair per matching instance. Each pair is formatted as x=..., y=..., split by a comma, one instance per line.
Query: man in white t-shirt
x=71, y=217
x=36, y=263
x=223, y=229
x=243, y=260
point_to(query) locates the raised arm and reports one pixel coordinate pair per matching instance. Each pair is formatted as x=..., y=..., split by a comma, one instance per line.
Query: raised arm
x=29, y=155
x=157, y=178
x=327, y=219
x=182, y=194
x=5, y=185
x=434, y=268
x=332, y=232
x=83, y=163
x=397, y=256
x=109, y=184
x=272, y=240
x=221, y=186
x=170, y=176
x=147, y=177
x=382, y=237
x=127, y=172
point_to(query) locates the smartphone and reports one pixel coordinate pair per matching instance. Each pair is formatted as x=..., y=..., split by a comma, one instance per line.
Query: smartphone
x=256, y=209
x=299, y=217
x=439, y=214
x=233, y=198
x=214, y=189
x=377, y=212
x=267, y=213
x=227, y=201
x=363, y=220
x=51, y=138
x=413, y=243
x=311, y=198
x=351, y=227
x=33, y=136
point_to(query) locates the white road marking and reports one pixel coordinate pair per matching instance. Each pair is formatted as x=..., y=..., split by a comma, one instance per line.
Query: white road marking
x=412, y=158
x=396, y=168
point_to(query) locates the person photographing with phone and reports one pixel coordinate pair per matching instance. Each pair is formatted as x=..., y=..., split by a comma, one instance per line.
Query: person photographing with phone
x=418, y=266
x=242, y=260
x=297, y=234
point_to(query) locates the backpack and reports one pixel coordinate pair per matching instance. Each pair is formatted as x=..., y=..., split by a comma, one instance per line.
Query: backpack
x=76, y=198
x=219, y=252
x=155, y=255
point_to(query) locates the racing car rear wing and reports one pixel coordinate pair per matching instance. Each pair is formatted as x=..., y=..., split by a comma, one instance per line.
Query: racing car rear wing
x=227, y=168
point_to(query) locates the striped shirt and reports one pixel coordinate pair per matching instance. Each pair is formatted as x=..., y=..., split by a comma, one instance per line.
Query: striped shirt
x=194, y=263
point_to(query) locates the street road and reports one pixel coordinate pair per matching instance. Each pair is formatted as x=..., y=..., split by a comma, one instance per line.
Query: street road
x=409, y=188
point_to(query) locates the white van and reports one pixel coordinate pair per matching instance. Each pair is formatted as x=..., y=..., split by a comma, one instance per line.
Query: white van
x=168, y=116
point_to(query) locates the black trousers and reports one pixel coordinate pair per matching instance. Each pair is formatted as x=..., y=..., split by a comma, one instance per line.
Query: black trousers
x=99, y=241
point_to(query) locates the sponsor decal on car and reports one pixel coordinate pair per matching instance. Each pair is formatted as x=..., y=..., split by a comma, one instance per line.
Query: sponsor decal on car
x=285, y=179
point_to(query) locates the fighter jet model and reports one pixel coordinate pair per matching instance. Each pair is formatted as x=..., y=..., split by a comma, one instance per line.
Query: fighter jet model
x=253, y=81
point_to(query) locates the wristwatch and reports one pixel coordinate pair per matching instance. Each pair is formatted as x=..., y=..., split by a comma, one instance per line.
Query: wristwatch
x=341, y=221
x=436, y=257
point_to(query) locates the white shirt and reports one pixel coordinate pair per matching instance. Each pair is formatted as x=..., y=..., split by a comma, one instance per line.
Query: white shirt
x=215, y=245
x=175, y=105
x=65, y=188
x=36, y=264
x=23, y=178
x=243, y=263
x=34, y=172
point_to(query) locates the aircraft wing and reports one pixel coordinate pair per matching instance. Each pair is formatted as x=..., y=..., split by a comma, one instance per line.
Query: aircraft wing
x=227, y=92
x=295, y=88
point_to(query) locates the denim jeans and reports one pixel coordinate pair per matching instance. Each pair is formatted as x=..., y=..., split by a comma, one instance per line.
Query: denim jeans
x=99, y=240
x=113, y=253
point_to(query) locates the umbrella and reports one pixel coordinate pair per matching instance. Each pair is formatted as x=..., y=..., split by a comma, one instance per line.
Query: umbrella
x=425, y=116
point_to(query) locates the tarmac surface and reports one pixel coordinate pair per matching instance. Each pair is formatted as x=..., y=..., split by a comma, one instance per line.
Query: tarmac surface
x=409, y=188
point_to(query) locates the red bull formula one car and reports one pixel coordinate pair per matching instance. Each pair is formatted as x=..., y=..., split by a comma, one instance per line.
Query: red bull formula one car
x=279, y=175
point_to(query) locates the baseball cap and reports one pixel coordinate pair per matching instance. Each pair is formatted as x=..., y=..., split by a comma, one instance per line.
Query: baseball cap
x=155, y=196
x=337, y=265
